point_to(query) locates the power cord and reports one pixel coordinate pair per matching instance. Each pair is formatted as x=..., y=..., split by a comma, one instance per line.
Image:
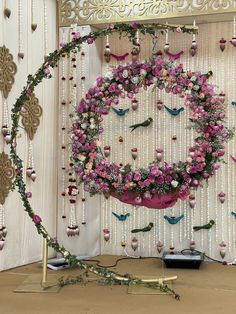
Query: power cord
x=129, y=257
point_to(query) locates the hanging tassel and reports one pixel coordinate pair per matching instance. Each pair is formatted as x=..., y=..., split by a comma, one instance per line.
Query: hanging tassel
x=107, y=53
x=106, y=234
x=3, y=229
x=134, y=244
x=159, y=246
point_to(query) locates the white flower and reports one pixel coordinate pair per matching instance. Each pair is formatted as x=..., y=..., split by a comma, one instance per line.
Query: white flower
x=196, y=87
x=135, y=79
x=109, y=75
x=81, y=157
x=85, y=114
x=125, y=74
x=84, y=126
x=91, y=120
x=92, y=126
x=174, y=183
x=189, y=159
x=143, y=72
x=193, y=78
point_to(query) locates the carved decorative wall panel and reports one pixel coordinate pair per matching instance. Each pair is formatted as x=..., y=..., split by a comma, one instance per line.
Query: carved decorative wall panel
x=109, y=11
x=7, y=173
x=7, y=71
x=31, y=112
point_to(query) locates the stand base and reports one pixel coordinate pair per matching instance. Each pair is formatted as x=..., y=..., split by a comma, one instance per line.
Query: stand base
x=142, y=289
x=33, y=283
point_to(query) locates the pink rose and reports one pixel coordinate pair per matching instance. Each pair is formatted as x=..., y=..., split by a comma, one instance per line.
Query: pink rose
x=37, y=219
x=76, y=36
x=178, y=30
x=90, y=40
x=134, y=25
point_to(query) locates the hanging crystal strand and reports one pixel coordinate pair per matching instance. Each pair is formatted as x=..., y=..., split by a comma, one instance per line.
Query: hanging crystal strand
x=33, y=24
x=6, y=132
x=20, y=37
x=7, y=11
x=45, y=27
x=222, y=170
x=167, y=45
x=30, y=170
x=3, y=229
x=232, y=65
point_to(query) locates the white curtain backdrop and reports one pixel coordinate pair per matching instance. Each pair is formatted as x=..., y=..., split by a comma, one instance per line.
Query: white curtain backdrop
x=23, y=244
x=209, y=57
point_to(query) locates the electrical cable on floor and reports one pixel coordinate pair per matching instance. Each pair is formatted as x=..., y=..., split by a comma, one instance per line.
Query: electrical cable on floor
x=129, y=257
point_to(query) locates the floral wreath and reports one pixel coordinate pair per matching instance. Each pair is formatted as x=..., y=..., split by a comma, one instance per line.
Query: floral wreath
x=160, y=184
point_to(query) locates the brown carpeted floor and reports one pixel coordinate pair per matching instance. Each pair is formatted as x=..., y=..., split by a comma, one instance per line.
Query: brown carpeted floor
x=211, y=289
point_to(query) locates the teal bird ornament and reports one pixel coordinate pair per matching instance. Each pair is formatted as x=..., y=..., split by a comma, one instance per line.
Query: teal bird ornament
x=233, y=103
x=145, y=124
x=120, y=112
x=145, y=229
x=174, y=112
x=233, y=214
x=121, y=217
x=173, y=220
x=207, y=226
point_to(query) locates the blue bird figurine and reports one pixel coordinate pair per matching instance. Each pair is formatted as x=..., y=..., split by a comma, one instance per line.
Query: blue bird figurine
x=233, y=214
x=173, y=220
x=121, y=217
x=120, y=112
x=174, y=111
x=233, y=103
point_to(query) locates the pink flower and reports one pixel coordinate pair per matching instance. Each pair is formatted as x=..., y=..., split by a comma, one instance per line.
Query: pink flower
x=28, y=194
x=134, y=25
x=178, y=30
x=76, y=36
x=183, y=193
x=47, y=72
x=29, y=91
x=90, y=40
x=37, y=219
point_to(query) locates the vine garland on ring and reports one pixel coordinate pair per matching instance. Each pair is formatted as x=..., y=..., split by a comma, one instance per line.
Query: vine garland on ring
x=33, y=80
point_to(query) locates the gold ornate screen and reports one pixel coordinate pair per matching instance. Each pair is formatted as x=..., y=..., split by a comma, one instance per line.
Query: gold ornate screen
x=91, y=12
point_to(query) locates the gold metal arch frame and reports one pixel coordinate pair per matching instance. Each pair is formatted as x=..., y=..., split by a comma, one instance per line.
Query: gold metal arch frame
x=94, y=12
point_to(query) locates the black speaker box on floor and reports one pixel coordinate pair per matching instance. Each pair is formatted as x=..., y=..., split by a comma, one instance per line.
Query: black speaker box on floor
x=182, y=260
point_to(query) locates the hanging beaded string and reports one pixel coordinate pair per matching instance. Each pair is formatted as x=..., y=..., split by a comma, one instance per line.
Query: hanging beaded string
x=63, y=127
x=104, y=138
x=45, y=27
x=20, y=37
x=83, y=80
x=232, y=66
x=3, y=229
x=222, y=87
x=230, y=173
x=72, y=191
x=33, y=24
x=5, y=121
x=30, y=171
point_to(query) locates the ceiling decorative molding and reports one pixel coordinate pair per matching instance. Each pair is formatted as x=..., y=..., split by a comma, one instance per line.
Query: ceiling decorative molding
x=7, y=174
x=31, y=112
x=8, y=70
x=92, y=12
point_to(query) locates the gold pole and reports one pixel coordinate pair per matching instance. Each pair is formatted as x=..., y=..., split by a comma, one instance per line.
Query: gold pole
x=45, y=261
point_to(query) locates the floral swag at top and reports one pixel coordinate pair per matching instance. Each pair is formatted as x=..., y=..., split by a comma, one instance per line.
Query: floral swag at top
x=161, y=184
